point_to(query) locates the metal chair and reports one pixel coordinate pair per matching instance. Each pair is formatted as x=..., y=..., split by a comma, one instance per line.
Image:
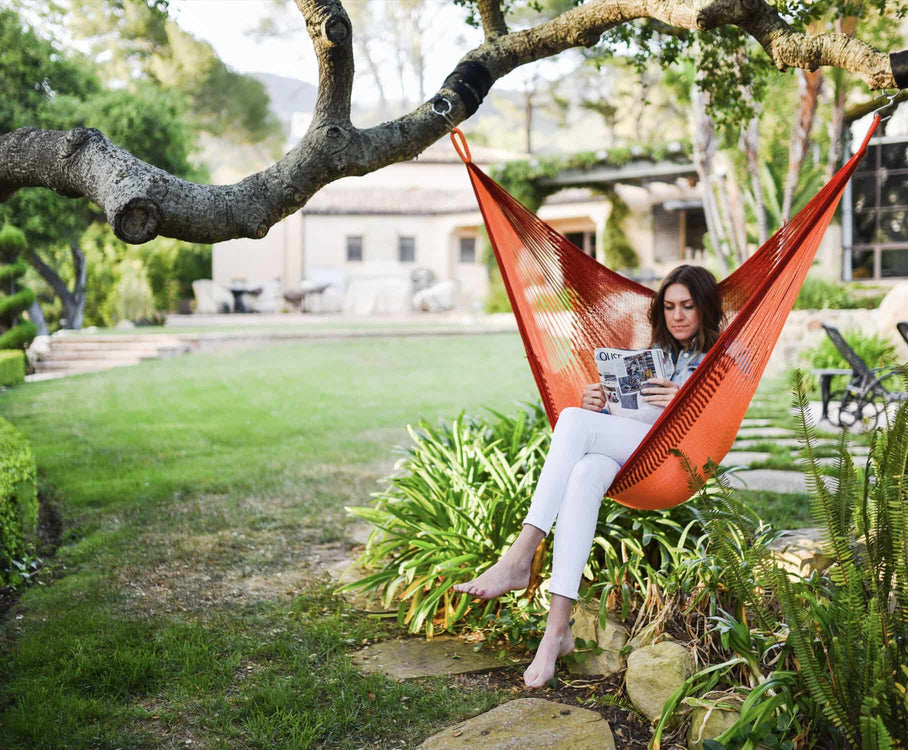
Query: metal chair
x=866, y=395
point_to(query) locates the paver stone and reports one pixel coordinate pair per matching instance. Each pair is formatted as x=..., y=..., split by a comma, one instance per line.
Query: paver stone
x=528, y=724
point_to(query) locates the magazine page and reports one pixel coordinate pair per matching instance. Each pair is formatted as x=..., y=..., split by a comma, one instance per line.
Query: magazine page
x=624, y=373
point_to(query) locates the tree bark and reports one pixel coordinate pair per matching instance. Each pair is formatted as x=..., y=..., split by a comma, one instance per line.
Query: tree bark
x=36, y=316
x=750, y=142
x=840, y=94
x=141, y=202
x=810, y=85
x=73, y=301
x=704, y=143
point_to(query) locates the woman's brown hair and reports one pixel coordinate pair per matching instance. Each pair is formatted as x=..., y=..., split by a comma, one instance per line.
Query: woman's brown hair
x=704, y=291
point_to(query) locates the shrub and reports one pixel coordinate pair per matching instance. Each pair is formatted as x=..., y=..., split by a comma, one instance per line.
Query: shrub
x=132, y=298
x=819, y=294
x=835, y=643
x=458, y=500
x=12, y=367
x=18, y=502
x=14, y=300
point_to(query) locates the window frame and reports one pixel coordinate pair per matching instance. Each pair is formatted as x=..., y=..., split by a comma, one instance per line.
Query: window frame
x=348, y=239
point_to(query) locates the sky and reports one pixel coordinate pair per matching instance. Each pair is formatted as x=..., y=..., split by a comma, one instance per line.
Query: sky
x=226, y=25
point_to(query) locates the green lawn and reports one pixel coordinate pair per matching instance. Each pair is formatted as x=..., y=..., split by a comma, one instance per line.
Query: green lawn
x=199, y=496
x=186, y=603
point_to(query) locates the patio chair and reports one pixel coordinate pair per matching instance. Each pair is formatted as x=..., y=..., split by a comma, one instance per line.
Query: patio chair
x=866, y=395
x=211, y=297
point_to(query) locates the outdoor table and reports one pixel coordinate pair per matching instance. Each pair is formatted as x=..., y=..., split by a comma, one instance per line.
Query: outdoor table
x=238, y=292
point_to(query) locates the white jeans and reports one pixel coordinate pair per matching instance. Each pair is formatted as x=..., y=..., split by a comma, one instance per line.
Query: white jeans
x=588, y=448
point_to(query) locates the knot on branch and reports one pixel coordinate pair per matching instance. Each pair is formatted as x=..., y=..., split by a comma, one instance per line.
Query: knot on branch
x=336, y=29
x=718, y=12
x=137, y=221
x=77, y=137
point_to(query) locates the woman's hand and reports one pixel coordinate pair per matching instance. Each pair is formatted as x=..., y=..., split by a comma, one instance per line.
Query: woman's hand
x=593, y=397
x=660, y=391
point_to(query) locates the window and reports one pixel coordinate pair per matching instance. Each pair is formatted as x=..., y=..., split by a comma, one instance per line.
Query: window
x=467, y=249
x=354, y=248
x=879, y=199
x=585, y=241
x=406, y=249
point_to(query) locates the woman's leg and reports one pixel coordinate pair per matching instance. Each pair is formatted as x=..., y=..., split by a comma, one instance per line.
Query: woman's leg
x=577, y=433
x=587, y=484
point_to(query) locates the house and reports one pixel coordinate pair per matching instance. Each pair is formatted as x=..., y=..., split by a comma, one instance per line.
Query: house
x=422, y=214
x=875, y=205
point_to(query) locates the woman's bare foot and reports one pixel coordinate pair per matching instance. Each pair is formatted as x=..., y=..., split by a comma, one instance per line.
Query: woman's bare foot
x=501, y=577
x=551, y=648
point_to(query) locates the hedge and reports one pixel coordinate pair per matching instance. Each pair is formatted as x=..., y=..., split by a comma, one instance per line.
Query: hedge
x=12, y=366
x=18, y=497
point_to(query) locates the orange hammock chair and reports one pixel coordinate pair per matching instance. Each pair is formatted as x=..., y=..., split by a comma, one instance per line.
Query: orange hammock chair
x=567, y=304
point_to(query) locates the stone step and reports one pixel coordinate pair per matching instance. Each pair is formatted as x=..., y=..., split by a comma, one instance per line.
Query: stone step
x=765, y=432
x=85, y=365
x=737, y=458
x=771, y=480
x=76, y=338
x=99, y=355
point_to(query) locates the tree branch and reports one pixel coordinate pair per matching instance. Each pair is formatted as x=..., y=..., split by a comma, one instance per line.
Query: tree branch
x=141, y=201
x=492, y=16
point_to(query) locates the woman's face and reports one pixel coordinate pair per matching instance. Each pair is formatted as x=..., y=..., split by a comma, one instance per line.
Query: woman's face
x=681, y=314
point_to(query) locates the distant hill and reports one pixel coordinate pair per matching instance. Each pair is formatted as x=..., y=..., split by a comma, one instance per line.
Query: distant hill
x=288, y=95
x=498, y=123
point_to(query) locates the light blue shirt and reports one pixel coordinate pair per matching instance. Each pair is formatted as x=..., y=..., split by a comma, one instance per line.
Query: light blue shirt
x=687, y=362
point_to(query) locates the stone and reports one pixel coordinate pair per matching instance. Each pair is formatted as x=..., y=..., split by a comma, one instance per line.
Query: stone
x=799, y=551
x=654, y=673
x=407, y=658
x=610, y=639
x=738, y=458
x=709, y=723
x=765, y=432
x=528, y=724
x=771, y=480
x=793, y=443
x=647, y=636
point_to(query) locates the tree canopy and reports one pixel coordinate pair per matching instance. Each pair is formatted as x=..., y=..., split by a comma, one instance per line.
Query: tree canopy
x=734, y=42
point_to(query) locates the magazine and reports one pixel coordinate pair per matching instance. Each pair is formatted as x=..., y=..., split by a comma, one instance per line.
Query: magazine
x=624, y=373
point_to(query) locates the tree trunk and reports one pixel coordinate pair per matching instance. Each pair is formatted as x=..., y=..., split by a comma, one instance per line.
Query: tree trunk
x=840, y=94
x=528, y=118
x=750, y=142
x=704, y=143
x=810, y=84
x=75, y=312
x=73, y=301
x=36, y=316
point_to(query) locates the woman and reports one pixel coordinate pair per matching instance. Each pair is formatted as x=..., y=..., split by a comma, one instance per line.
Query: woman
x=588, y=448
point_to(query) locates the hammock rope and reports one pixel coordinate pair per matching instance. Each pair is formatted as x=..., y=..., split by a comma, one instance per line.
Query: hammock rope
x=566, y=304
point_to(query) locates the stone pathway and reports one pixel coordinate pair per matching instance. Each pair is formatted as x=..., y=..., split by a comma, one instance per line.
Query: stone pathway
x=408, y=658
x=528, y=724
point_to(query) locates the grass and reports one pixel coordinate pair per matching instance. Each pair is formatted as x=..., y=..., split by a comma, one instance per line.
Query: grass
x=203, y=501
x=199, y=493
